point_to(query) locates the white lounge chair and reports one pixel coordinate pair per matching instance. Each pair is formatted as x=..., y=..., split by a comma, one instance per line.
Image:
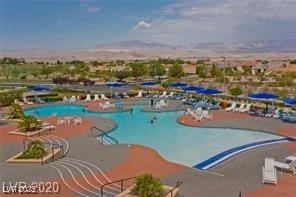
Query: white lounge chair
x=104, y=97
x=65, y=99
x=140, y=94
x=96, y=98
x=125, y=95
x=246, y=109
x=72, y=99
x=61, y=122
x=18, y=102
x=87, y=99
x=269, y=172
x=77, y=121
x=241, y=107
x=164, y=94
x=206, y=115
x=27, y=102
x=233, y=105
x=285, y=167
x=171, y=94
x=163, y=103
x=276, y=113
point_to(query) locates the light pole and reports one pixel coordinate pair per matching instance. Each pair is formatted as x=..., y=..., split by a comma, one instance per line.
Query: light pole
x=73, y=57
x=223, y=73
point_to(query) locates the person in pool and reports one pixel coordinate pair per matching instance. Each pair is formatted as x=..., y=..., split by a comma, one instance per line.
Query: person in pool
x=131, y=111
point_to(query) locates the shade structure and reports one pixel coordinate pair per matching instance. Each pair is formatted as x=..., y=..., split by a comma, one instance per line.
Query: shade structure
x=179, y=85
x=148, y=83
x=194, y=89
x=209, y=92
x=290, y=101
x=116, y=84
x=40, y=89
x=263, y=96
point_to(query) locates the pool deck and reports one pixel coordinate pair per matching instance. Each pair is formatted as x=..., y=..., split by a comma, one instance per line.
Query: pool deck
x=242, y=172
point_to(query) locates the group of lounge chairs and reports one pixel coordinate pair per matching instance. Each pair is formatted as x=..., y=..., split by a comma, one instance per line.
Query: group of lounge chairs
x=69, y=120
x=160, y=104
x=270, y=166
x=204, y=104
x=163, y=95
x=244, y=107
x=25, y=101
x=198, y=114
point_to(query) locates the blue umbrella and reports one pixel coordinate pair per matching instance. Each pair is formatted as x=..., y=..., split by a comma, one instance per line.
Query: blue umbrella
x=263, y=96
x=115, y=85
x=192, y=89
x=179, y=85
x=290, y=101
x=209, y=92
x=148, y=83
x=40, y=89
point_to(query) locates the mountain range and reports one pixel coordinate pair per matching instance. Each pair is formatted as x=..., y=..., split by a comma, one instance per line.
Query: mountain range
x=138, y=49
x=280, y=46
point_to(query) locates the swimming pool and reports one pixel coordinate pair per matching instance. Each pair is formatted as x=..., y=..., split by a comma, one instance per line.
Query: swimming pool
x=174, y=142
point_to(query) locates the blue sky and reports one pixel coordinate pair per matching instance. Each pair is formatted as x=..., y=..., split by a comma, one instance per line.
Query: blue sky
x=87, y=23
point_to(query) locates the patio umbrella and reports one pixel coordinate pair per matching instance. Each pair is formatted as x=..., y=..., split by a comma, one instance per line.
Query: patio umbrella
x=148, y=83
x=116, y=85
x=40, y=89
x=263, y=96
x=179, y=85
x=209, y=92
x=290, y=101
x=194, y=89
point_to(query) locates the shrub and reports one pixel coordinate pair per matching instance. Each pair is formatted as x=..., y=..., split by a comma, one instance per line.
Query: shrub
x=8, y=97
x=236, y=91
x=147, y=186
x=16, y=111
x=29, y=124
x=35, y=150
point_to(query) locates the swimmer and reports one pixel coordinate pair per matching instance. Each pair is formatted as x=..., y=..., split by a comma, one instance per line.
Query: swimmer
x=151, y=121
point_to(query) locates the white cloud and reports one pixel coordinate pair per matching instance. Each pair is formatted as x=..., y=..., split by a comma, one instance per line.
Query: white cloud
x=192, y=21
x=89, y=6
x=142, y=25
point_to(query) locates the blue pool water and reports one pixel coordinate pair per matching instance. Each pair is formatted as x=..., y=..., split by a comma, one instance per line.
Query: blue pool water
x=174, y=142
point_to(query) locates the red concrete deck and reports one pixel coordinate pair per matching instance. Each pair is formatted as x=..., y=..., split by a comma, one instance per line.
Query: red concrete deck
x=217, y=116
x=286, y=188
x=64, y=131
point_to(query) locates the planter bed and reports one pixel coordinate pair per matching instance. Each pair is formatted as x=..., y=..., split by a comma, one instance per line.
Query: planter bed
x=166, y=189
x=29, y=134
x=50, y=156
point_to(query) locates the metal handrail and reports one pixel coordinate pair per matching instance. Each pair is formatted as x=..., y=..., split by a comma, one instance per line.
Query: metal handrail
x=121, y=184
x=52, y=148
x=178, y=184
x=103, y=133
x=176, y=109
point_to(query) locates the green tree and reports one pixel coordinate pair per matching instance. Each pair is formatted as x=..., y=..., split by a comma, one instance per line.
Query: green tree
x=15, y=111
x=215, y=72
x=148, y=186
x=138, y=70
x=159, y=68
x=34, y=150
x=122, y=74
x=201, y=70
x=29, y=124
x=176, y=71
x=235, y=91
x=46, y=71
